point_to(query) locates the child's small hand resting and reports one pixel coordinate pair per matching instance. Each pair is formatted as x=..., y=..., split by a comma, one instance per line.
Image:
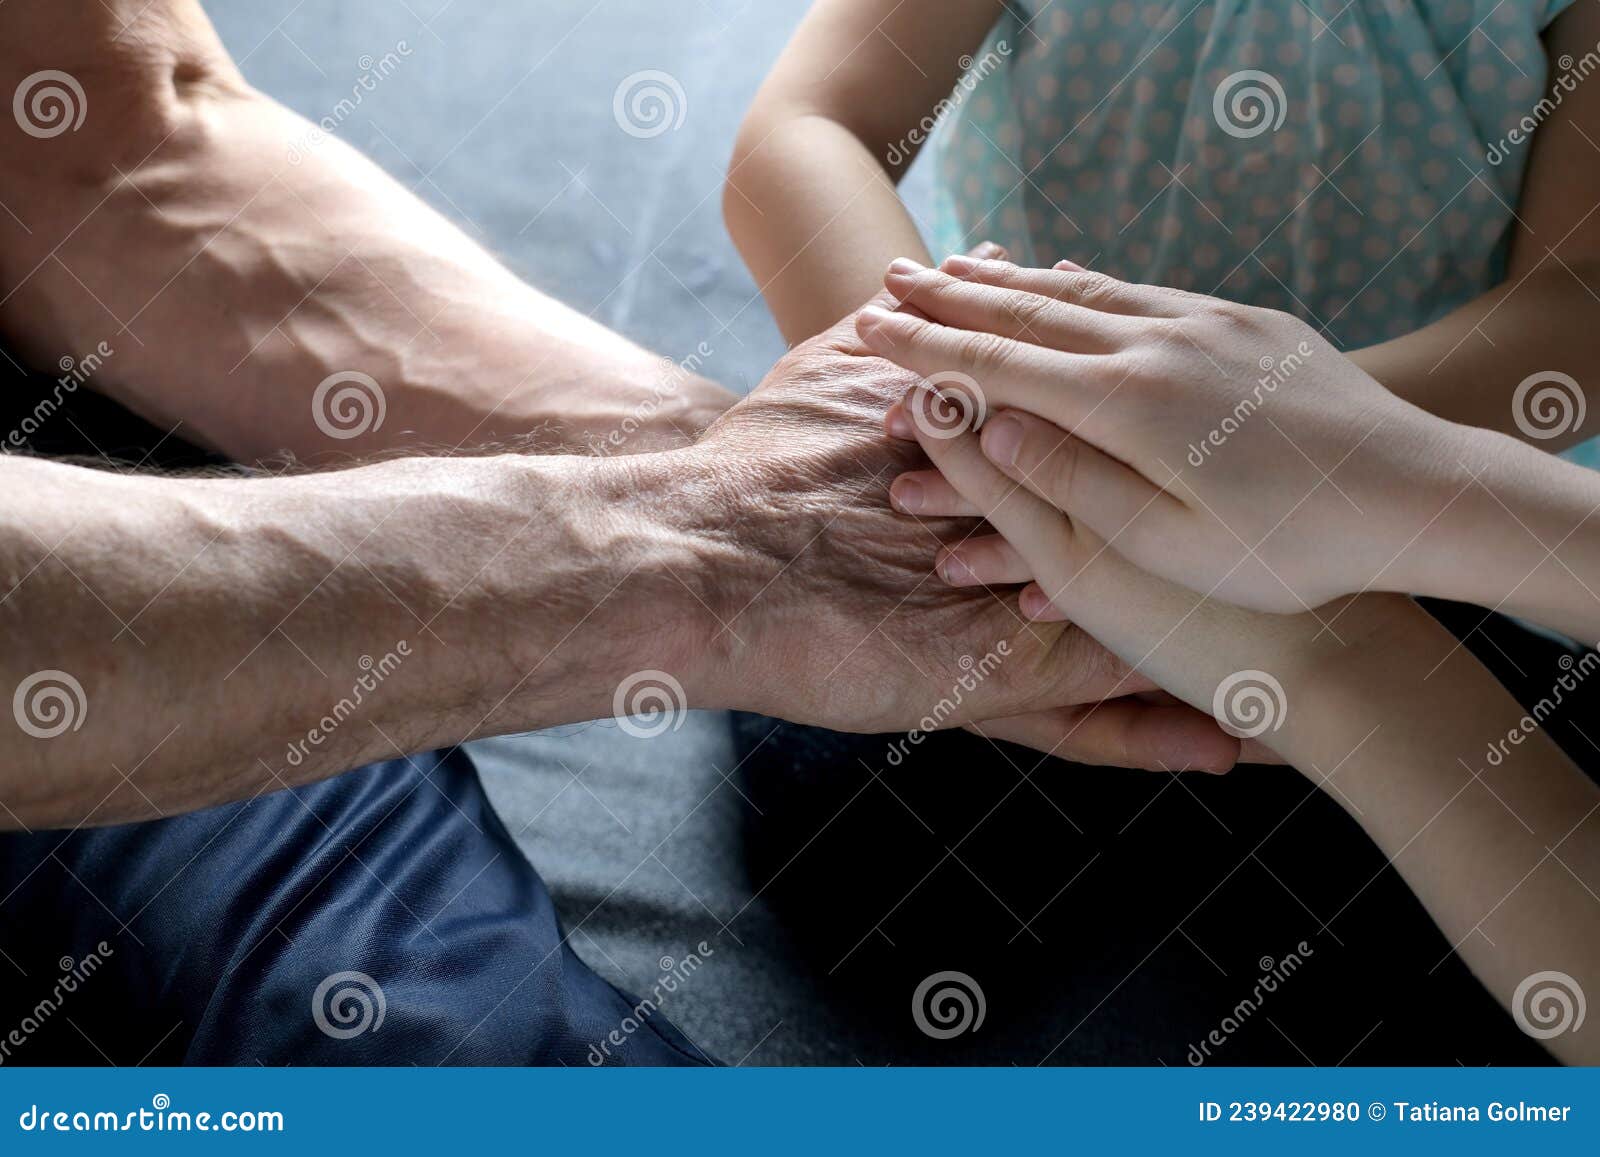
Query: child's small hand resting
x=1224, y=447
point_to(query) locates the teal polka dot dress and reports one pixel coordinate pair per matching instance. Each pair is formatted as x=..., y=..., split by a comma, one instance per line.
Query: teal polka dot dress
x=1351, y=163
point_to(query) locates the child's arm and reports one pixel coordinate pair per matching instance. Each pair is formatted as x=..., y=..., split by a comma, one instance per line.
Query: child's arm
x=810, y=198
x=1546, y=314
x=1392, y=716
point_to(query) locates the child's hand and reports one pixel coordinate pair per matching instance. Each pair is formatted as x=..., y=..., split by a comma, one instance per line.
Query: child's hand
x=1223, y=447
x=1245, y=667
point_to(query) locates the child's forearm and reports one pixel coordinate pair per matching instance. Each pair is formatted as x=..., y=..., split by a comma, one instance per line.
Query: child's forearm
x=1467, y=366
x=1519, y=532
x=1500, y=840
x=816, y=218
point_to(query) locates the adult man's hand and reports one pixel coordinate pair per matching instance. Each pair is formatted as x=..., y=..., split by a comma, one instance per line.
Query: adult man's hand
x=844, y=624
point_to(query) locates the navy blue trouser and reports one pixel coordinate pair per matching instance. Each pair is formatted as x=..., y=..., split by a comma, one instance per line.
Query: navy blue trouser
x=265, y=931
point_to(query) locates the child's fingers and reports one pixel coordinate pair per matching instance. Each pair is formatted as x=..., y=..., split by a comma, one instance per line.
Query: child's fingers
x=1040, y=534
x=1112, y=499
x=926, y=493
x=1122, y=733
x=989, y=561
x=1081, y=287
x=977, y=371
x=1010, y=313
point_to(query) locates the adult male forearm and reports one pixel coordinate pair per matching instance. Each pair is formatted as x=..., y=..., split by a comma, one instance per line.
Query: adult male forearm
x=174, y=643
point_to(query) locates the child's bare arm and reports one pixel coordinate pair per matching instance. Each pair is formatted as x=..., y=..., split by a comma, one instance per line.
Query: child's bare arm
x=1467, y=365
x=810, y=199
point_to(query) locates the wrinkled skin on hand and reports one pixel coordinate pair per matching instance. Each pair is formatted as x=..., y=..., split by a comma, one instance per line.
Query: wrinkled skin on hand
x=852, y=628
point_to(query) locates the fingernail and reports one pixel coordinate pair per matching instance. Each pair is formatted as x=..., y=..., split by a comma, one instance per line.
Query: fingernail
x=905, y=266
x=987, y=249
x=898, y=423
x=959, y=266
x=1002, y=439
x=1032, y=602
x=956, y=573
x=907, y=494
x=871, y=317
x=1070, y=267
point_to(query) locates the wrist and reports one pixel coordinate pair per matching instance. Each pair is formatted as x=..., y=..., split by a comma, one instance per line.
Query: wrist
x=1511, y=534
x=655, y=589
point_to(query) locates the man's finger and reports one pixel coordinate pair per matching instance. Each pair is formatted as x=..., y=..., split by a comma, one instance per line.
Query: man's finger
x=1122, y=733
x=985, y=561
x=926, y=493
